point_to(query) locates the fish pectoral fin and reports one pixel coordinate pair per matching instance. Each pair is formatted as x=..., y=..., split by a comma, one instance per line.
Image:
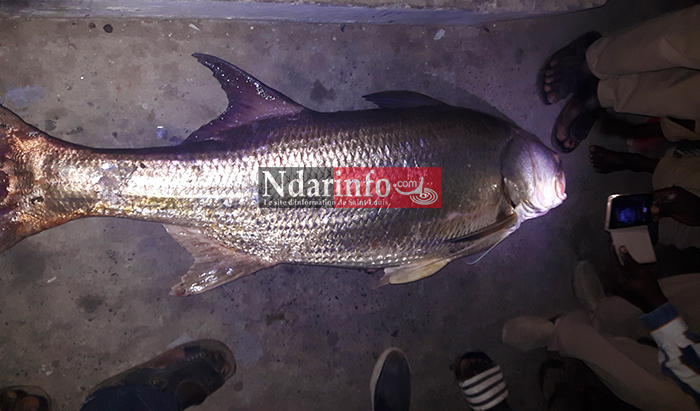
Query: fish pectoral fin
x=480, y=243
x=485, y=240
x=412, y=271
x=214, y=264
x=249, y=100
x=507, y=223
x=487, y=246
x=401, y=99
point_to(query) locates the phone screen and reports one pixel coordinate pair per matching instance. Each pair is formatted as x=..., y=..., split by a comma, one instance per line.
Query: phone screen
x=631, y=210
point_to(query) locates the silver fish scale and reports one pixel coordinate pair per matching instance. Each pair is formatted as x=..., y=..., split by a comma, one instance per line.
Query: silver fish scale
x=214, y=187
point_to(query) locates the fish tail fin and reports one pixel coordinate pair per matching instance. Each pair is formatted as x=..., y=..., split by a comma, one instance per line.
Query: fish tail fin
x=23, y=211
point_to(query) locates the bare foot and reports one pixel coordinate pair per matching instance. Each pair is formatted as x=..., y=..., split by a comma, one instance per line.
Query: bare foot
x=606, y=161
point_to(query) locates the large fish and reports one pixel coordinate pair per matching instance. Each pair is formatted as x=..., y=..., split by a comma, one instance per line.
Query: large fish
x=494, y=176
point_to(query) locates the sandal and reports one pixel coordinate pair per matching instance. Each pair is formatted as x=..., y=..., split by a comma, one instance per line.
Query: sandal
x=24, y=398
x=565, y=71
x=576, y=119
x=554, y=383
x=190, y=372
x=480, y=380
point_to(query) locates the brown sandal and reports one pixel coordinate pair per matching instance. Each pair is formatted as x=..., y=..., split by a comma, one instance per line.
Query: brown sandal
x=576, y=119
x=191, y=372
x=565, y=71
x=24, y=398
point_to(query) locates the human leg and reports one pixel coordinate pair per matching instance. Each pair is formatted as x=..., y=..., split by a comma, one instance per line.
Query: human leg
x=667, y=93
x=607, y=342
x=605, y=337
x=652, y=69
x=666, y=42
x=679, y=130
x=607, y=161
x=627, y=368
x=682, y=172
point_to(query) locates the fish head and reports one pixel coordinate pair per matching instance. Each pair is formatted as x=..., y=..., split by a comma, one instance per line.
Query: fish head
x=533, y=176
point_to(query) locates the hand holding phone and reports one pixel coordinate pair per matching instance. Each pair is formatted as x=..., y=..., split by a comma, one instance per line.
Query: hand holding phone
x=627, y=220
x=635, y=283
x=677, y=203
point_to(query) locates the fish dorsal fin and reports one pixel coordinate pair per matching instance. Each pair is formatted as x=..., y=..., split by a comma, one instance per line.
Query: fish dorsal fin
x=249, y=99
x=401, y=99
x=214, y=264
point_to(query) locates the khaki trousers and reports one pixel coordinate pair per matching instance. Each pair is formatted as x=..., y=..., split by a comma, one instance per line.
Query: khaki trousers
x=682, y=172
x=653, y=70
x=607, y=342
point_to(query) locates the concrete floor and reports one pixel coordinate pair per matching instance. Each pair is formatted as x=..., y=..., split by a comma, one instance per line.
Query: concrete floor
x=452, y=12
x=84, y=301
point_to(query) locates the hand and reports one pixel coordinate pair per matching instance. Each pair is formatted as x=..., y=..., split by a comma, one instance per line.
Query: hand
x=635, y=283
x=677, y=203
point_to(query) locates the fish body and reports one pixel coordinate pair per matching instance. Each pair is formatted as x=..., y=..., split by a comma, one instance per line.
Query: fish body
x=494, y=176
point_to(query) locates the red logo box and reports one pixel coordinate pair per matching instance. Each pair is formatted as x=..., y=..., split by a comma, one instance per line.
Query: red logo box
x=387, y=187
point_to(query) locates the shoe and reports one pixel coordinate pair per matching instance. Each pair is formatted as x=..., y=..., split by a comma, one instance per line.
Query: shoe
x=390, y=384
x=481, y=381
x=24, y=398
x=587, y=287
x=528, y=333
x=188, y=373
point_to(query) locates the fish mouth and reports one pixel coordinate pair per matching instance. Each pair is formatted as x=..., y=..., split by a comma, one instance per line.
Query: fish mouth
x=560, y=186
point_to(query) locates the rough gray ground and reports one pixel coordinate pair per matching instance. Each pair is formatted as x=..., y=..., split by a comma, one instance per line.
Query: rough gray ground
x=84, y=301
x=452, y=12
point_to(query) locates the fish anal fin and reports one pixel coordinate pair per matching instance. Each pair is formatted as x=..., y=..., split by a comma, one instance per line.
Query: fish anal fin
x=249, y=100
x=214, y=264
x=413, y=271
x=401, y=99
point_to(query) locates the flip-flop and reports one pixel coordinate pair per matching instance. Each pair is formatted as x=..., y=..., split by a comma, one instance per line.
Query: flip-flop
x=24, y=397
x=553, y=383
x=576, y=119
x=198, y=367
x=480, y=380
x=569, y=69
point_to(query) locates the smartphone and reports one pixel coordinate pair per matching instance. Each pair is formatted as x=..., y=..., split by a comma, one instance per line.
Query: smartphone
x=629, y=210
x=627, y=220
